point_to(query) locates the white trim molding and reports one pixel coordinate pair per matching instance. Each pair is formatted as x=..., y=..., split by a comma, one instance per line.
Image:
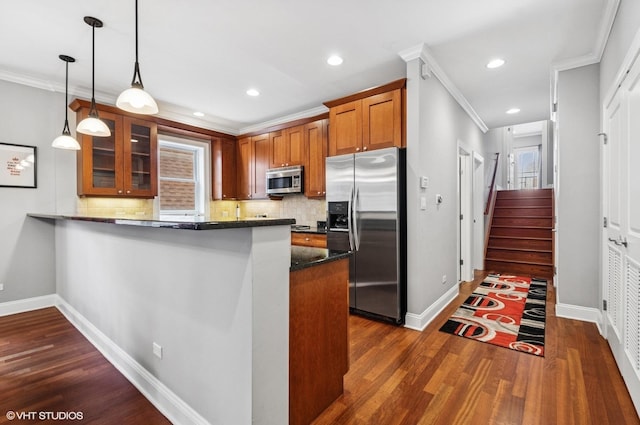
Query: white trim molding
x=420, y=321
x=584, y=314
x=166, y=401
x=423, y=52
x=27, y=304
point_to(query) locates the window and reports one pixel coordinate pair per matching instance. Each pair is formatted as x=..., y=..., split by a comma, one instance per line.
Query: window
x=181, y=174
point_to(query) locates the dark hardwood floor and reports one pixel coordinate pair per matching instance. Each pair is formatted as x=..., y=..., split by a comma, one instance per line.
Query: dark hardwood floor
x=397, y=376
x=46, y=365
x=400, y=376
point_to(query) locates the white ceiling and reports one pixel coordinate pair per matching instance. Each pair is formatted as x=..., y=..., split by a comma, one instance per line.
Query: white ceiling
x=203, y=54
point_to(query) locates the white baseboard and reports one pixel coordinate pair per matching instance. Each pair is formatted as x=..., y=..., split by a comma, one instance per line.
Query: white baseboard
x=576, y=312
x=28, y=304
x=420, y=321
x=172, y=406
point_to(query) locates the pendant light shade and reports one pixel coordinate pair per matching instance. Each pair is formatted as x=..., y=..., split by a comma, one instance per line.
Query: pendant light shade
x=135, y=99
x=65, y=141
x=92, y=125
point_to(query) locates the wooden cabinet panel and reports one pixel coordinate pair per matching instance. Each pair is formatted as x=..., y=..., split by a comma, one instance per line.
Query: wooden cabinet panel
x=224, y=169
x=315, y=240
x=244, y=170
x=346, y=128
x=123, y=164
x=260, y=148
x=296, y=144
x=368, y=120
x=315, y=139
x=382, y=121
x=318, y=338
x=287, y=147
x=279, y=149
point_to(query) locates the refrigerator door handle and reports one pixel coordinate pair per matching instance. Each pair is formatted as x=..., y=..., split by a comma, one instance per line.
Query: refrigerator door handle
x=350, y=219
x=356, y=233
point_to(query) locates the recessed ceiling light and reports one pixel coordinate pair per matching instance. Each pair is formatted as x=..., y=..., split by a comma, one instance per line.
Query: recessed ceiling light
x=513, y=111
x=334, y=60
x=253, y=92
x=495, y=63
x=198, y=114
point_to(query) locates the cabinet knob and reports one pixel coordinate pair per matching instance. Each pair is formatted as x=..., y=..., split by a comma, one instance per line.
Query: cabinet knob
x=282, y=165
x=128, y=191
x=307, y=239
x=318, y=193
x=357, y=149
x=224, y=196
x=324, y=193
x=120, y=192
x=364, y=149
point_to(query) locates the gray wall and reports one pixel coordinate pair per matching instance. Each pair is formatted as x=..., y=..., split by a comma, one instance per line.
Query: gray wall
x=32, y=117
x=578, y=187
x=436, y=124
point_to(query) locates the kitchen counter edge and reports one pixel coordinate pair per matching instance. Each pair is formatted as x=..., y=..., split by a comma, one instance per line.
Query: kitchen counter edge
x=181, y=225
x=303, y=257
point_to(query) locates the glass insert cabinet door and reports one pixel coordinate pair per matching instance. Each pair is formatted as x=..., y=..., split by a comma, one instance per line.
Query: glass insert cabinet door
x=140, y=157
x=123, y=164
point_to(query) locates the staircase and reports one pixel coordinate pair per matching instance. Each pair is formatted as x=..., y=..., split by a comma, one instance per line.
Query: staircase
x=521, y=238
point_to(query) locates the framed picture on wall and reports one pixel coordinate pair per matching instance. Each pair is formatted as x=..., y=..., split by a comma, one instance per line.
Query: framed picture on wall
x=17, y=165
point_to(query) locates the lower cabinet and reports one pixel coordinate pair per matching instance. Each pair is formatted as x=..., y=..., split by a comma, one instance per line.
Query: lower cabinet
x=315, y=240
x=318, y=338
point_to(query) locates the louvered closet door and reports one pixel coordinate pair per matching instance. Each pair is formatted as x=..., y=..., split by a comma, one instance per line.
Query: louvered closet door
x=621, y=242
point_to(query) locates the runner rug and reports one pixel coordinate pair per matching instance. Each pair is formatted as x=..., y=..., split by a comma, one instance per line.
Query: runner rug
x=504, y=310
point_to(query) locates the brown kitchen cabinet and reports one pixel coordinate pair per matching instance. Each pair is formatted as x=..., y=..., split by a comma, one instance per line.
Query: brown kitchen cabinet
x=315, y=139
x=122, y=165
x=369, y=120
x=260, y=164
x=244, y=168
x=315, y=240
x=224, y=168
x=287, y=147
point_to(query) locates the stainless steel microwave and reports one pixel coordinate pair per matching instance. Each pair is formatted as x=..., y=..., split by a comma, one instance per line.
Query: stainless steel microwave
x=285, y=180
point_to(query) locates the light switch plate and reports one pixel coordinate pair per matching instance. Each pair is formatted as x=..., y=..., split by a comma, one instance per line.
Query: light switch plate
x=424, y=182
x=157, y=350
x=423, y=203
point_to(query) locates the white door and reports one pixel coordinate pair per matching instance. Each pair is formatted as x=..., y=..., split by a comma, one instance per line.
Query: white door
x=465, y=231
x=621, y=236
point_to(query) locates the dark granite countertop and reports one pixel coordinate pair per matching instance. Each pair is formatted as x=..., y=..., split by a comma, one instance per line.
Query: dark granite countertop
x=303, y=257
x=314, y=230
x=195, y=224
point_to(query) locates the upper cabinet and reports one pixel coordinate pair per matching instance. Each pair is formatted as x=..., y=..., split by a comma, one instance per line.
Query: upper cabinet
x=315, y=139
x=253, y=162
x=287, y=147
x=123, y=164
x=372, y=119
x=224, y=168
x=244, y=168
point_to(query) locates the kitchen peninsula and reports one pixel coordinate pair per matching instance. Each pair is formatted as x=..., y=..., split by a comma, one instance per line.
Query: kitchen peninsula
x=190, y=312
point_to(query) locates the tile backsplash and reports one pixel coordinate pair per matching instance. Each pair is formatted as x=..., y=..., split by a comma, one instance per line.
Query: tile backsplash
x=305, y=211
x=115, y=207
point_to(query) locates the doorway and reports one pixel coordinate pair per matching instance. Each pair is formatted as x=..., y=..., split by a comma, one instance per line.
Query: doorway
x=465, y=272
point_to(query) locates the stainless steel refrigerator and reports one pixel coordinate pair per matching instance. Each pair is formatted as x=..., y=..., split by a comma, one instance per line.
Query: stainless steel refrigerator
x=366, y=214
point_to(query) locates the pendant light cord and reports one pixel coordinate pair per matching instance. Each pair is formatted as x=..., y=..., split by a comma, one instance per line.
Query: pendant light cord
x=93, y=112
x=65, y=129
x=136, y=69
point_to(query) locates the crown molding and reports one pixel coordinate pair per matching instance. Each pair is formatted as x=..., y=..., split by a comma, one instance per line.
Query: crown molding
x=423, y=52
x=282, y=120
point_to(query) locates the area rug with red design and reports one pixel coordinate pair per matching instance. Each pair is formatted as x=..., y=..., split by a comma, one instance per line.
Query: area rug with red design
x=504, y=310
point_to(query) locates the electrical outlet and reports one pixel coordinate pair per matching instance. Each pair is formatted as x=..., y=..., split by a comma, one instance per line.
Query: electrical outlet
x=157, y=350
x=444, y=278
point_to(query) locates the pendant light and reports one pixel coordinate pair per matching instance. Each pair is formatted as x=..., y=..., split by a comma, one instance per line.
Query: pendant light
x=92, y=125
x=135, y=99
x=65, y=141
